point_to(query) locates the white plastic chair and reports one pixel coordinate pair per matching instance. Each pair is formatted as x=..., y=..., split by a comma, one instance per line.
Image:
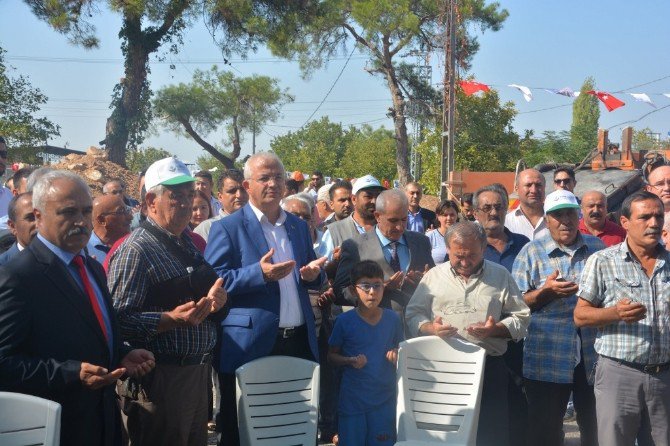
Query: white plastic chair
x=439, y=391
x=28, y=420
x=277, y=401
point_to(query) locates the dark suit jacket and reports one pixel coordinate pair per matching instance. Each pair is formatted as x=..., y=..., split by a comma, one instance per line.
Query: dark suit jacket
x=429, y=218
x=368, y=247
x=235, y=247
x=47, y=329
x=9, y=254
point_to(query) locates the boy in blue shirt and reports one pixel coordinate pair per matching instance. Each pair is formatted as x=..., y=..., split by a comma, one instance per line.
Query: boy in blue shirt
x=365, y=343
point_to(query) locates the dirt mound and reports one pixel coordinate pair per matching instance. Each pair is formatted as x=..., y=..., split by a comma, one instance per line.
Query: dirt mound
x=96, y=170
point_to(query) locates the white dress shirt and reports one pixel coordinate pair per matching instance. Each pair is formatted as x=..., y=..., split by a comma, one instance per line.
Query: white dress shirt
x=516, y=221
x=290, y=311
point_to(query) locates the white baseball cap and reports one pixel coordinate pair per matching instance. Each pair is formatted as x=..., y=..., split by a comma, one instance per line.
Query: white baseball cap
x=560, y=199
x=167, y=172
x=366, y=182
x=324, y=193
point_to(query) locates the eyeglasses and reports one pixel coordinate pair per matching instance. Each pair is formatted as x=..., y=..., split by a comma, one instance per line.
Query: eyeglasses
x=278, y=179
x=366, y=287
x=487, y=208
x=562, y=180
x=661, y=185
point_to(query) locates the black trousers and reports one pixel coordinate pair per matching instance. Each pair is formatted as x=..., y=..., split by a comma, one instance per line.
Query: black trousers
x=546, y=408
x=516, y=397
x=493, y=412
x=296, y=346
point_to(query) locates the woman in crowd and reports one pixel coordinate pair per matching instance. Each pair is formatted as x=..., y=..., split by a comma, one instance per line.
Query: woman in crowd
x=201, y=209
x=447, y=214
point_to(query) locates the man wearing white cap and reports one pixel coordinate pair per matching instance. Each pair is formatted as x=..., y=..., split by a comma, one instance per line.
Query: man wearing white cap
x=558, y=357
x=167, y=299
x=364, y=196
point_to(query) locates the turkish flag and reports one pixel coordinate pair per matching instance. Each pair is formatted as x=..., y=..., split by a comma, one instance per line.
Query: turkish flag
x=611, y=103
x=472, y=87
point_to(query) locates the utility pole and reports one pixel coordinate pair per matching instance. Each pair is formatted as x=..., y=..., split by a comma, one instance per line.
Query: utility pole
x=449, y=101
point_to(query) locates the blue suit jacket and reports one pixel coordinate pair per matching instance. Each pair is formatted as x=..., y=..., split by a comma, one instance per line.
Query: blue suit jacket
x=234, y=248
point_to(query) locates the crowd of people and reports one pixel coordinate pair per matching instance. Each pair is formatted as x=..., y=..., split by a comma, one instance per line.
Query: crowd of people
x=150, y=307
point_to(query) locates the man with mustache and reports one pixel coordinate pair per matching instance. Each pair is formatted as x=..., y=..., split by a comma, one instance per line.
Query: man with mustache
x=624, y=293
x=558, y=357
x=59, y=337
x=21, y=223
x=232, y=197
x=528, y=218
x=595, y=221
x=111, y=222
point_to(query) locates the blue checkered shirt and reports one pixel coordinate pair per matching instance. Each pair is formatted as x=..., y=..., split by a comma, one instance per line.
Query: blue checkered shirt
x=614, y=274
x=551, y=349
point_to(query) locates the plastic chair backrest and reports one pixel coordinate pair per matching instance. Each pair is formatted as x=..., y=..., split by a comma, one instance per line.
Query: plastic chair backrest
x=439, y=390
x=277, y=401
x=28, y=420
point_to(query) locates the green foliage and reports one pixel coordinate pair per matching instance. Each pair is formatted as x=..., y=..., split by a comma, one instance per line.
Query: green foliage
x=369, y=152
x=643, y=140
x=208, y=162
x=552, y=147
x=430, y=149
x=19, y=103
x=584, y=129
x=140, y=159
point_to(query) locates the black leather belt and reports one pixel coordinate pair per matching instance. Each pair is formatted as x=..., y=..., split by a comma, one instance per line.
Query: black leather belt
x=169, y=359
x=289, y=332
x=651, y=369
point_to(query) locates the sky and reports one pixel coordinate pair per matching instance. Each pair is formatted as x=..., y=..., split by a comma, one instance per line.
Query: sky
x=541, y=45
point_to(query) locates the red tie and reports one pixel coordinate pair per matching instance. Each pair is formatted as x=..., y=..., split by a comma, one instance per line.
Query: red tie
x=91, y=294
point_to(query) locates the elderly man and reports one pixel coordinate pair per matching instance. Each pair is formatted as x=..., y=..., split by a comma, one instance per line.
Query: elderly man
x=339, y=196
x=232, y=197
x=564, y=179
x=624, y=292
x=418, y=219
x=478, y=300
x=164, y=293
x=403, y=255
x=528, y=218
x=265, y=256
x=322, y=199
x=558, y=357
x=111, y=221
x=595, y=221
x=58, y=334
x=362, y=220
x=502, y=247
x=658, y=183
x=21, y=224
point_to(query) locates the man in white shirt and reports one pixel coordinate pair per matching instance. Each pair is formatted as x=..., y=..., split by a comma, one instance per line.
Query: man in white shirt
x=528, y=218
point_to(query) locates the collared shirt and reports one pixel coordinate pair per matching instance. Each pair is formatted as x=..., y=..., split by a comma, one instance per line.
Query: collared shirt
x=517, y=222
x=415, y=221
x=67, y=257
x=506, y=258
x=96, y=248
x=216, y=205
x=489, y=292
x=402, y=249
x=614, y=274
x=203, y=228
x=19, y=246
x=612, y=234
x=5, y=197
x=551, y=350
x=140, y=262
x=326, y=247
x=290, y=312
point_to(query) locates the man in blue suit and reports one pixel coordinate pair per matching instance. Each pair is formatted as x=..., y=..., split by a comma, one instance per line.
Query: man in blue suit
x=266, y=259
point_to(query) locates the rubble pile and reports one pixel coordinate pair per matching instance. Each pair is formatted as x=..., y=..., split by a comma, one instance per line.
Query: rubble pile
x=95, y=168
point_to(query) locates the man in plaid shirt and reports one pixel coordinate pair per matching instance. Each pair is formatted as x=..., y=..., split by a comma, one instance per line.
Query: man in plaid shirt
x=625, y=292
x=558, y=357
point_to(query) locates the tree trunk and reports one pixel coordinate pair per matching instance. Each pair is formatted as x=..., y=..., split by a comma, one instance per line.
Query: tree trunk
x=230, y=164
x=401, y=140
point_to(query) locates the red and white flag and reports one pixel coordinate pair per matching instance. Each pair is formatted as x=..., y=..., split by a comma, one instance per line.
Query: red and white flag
x=611, y=103
x=472, y=87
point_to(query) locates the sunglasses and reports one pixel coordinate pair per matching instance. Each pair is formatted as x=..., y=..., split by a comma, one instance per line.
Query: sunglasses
x=562, y=181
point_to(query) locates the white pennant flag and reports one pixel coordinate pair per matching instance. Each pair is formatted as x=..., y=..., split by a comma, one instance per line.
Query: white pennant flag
x=667, y=95
x=642, y=97
x=527, y=95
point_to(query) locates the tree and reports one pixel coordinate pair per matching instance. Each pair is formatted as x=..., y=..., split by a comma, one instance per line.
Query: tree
x=643, y=139
x=149, y=25
x=552, y=147
x=19, y=103
x=214, y=99
x=320, y=145
x=139, y=160
x=584, y=129
x=369, y=151
x=382, y=30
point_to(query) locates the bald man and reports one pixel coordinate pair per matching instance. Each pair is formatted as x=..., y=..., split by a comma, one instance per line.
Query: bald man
x=595, y=222
x=658, y=183
x=111, y=221
x=528, y=218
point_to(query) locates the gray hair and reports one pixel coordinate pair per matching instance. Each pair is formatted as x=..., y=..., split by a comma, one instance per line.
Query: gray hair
x=157, y=190
x=490, y=188
x=267, y=157
x=395, y=196
x=35, y=176
x=44, y=186
x=466, y=231
x=302, y=197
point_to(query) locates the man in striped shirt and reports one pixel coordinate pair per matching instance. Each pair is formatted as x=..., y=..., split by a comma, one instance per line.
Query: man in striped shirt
x=625, y=292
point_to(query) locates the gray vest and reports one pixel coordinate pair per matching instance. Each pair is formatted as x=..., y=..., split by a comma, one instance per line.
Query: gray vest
x=342, y=230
